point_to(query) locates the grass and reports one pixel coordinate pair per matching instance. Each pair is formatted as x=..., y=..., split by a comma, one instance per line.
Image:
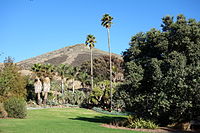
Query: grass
x=60, y=120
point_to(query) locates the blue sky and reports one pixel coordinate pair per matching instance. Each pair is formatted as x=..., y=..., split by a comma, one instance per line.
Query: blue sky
x=32, y=27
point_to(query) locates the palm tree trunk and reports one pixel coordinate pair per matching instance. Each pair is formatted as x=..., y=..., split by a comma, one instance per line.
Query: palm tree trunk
x=45, y=98
x=39, y=99
x=62, y=86
x=47, y=86
x=91, y=69
x=109, y=48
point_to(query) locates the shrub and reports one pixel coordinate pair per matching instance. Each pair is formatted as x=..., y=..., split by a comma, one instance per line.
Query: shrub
x=16, y=107
x=119, y=122
x=52, y=103
x=3, y=112
x=75, y=98
x=134, y=122
x=100, y=95
x=140, y=123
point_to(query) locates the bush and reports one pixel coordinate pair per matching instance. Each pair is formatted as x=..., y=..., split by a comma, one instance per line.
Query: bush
x=52, y=103
x=100, y=95
x=134, y=122
x=140, y=123
x=16, y=107
x=75, y=98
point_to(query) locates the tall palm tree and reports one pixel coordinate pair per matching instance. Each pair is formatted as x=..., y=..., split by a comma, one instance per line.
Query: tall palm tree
x=106, y=22
x=90, y=42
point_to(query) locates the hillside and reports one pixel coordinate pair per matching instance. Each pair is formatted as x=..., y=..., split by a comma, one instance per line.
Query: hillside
x=74, y=55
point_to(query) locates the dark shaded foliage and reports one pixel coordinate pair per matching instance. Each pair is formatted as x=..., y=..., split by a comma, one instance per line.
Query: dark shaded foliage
x=101, y=67
x=162, y=72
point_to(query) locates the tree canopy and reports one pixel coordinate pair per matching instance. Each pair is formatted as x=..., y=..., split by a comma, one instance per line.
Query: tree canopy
x=162, y=72
x=12, y=83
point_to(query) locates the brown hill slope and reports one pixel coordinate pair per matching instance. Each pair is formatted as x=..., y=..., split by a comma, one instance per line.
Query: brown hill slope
x=74, y=55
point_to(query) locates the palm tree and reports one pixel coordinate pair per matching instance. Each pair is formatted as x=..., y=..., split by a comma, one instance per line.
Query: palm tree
x=72, y=74
x=84, y=78
x=48, y=72
x=63, y=70
x=106, y=22
x=38, y=77
x=43, y=73
x=90, y=42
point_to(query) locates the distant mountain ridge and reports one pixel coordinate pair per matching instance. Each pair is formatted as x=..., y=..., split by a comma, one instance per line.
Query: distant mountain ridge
x=74, y=55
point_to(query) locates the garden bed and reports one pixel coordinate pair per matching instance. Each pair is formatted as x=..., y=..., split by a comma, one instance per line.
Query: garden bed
x=159, y=130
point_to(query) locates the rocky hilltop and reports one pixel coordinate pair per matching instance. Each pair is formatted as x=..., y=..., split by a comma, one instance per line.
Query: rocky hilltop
x=74, y=55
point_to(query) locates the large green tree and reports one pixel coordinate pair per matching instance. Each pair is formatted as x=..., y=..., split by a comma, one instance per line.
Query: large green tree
x=162, y=71
x=12, y=83
x=106, y=22
x=90, y=40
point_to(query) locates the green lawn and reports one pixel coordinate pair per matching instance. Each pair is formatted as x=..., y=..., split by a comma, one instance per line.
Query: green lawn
x=60, y=120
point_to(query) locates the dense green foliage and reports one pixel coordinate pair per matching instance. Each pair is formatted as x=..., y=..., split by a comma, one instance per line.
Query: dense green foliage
x=133, y=122
x=31, y=95
x=16, y=107
x=162, y=71
x=100, y=95
x=101, y=70
x=62, y=120
x=43, y=70
x=76, y=98
x=12, y=83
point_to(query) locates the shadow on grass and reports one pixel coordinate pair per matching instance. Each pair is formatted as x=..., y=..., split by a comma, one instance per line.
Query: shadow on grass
x=99, y=119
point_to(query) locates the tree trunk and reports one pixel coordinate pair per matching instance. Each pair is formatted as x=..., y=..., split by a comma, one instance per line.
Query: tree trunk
x=38, y=97
x=45, y=98
x=103, y=88
x=109, y=48
x=73, y=85
x=62, y=86
x=38, y=89
x=47, y=86
x=91, y=70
